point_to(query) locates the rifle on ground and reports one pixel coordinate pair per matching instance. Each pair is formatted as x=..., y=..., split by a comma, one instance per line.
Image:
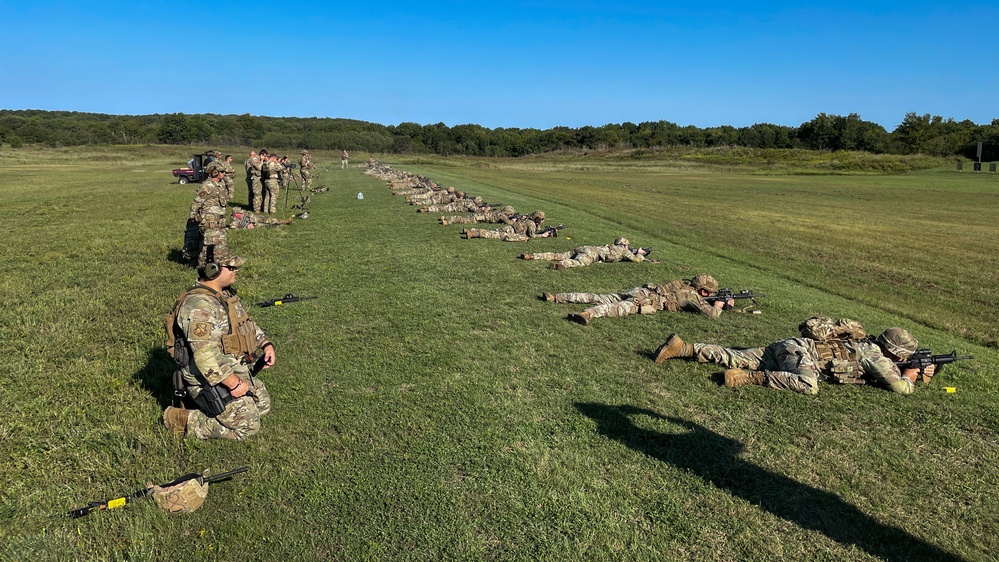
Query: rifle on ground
x=646, y=251
x=118, y=502
x=726, y=294
x=287, y=298
x=923, y=358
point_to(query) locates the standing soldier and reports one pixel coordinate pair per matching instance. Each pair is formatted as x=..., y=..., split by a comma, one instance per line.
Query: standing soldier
x=215, y=343
x=253, y=186
x=206, y=221
x=271, y=169
x=343, y=160
x=305, y=166
x=285, y=172
x=229, y=175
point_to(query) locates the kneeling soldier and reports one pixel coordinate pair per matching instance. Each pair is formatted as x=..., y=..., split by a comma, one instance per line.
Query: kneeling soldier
x=210, y=325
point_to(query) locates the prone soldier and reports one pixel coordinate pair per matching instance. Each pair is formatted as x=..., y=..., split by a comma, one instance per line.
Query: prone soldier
x=585, y=255
x=520, y=229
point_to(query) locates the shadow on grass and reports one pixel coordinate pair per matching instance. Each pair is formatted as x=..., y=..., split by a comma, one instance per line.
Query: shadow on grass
x=715, y=458
x=157, y=376
x=177, y=256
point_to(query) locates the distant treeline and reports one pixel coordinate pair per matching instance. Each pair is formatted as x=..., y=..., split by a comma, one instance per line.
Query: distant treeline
x=923, y=134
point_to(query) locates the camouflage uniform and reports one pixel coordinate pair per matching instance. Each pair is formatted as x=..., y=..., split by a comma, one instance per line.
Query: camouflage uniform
x=249, y=219
x=269, y=173
x=228, y=178
x=795, y=364
x=215, y=164
x=585, y=255
x=521, y=230
x=459, y=206
x=206, y=220
x=494, y=216
x=677, y=295
x=343, y=160
x=253, y=184
x=205, y=319
x=305, y=166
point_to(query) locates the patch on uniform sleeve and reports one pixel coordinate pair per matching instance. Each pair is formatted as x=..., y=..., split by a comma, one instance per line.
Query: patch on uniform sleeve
x=201, y=329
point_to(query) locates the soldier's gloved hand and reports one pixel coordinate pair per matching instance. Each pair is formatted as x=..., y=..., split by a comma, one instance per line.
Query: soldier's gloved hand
x=928, y=373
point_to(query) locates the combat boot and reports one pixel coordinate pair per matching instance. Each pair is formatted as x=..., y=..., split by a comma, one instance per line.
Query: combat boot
x=423, y=210
x=470, y=233
x=527, y=256
x=548, y=297
x=580, y=318
x=741, y=377
x=559, y=266
x=674, y=347
x=175, y=419
x=443, y=220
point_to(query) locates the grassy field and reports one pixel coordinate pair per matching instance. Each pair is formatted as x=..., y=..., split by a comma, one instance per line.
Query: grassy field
x=428, y=406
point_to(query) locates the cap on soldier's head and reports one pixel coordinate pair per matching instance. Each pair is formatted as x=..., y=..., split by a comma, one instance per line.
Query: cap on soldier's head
x=224, y=256
x=898, y=342
x=621, y=241
x=704, y=281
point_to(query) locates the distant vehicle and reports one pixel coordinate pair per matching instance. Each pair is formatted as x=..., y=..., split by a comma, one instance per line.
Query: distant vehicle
x=195, y=170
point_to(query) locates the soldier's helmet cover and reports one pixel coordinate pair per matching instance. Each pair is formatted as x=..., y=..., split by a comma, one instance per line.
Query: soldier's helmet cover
x=621, y=241
x=508, y=209
x=180, y=498
x=704, y=281
x=898, y=342
x=539, y=215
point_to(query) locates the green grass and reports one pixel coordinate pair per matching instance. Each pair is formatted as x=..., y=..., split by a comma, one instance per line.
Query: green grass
x=428, y=406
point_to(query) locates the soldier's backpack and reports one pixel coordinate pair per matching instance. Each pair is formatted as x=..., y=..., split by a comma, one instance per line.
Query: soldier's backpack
x=823, y=328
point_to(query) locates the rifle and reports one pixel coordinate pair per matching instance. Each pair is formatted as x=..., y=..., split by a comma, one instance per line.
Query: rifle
x=287, y=298
x=636, y=251
x=118, y=502
x=726, y=294
x=552, y=230
x=923, y=358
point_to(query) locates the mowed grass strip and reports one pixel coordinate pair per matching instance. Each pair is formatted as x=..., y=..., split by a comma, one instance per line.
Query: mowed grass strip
x=429, y=406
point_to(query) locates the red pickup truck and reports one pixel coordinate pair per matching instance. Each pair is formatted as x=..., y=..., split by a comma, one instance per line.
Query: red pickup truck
x=195, y=170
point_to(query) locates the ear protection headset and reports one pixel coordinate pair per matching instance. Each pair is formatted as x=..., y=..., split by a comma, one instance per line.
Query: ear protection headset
x=211, y=270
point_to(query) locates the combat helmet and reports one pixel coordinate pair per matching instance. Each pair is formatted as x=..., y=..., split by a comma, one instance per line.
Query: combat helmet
x=621, y=241
x=508, y=210
x=538, y=215
x=898, y=342
x=704, y=281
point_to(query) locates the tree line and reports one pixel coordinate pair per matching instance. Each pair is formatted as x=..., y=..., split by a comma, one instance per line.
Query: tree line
x=917, y=134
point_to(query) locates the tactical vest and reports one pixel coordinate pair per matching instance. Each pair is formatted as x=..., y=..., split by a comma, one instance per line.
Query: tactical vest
x=668, y=293
x=241, y=340
x=839, y=362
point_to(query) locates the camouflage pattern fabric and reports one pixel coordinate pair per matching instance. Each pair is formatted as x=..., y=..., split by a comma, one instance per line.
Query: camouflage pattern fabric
x=228, y=178
x=272, y=185
x=249, y=219
x=204, y=320
x=492, y=216
x=647, y=299
x=206, y=219
x=520, y=231
x=185, y=497
x=254, y=169
x=794, y=364
x=459, y=206
x=305, y=166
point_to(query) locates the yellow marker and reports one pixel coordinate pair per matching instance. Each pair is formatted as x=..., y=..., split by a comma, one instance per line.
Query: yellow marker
x=950, y=389
x=567, y=238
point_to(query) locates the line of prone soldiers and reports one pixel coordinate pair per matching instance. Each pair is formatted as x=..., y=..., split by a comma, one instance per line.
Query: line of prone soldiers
x=220, y=349
x=838, y=351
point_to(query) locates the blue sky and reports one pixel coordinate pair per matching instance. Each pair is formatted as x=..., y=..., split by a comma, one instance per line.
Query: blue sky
x=533, y=64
